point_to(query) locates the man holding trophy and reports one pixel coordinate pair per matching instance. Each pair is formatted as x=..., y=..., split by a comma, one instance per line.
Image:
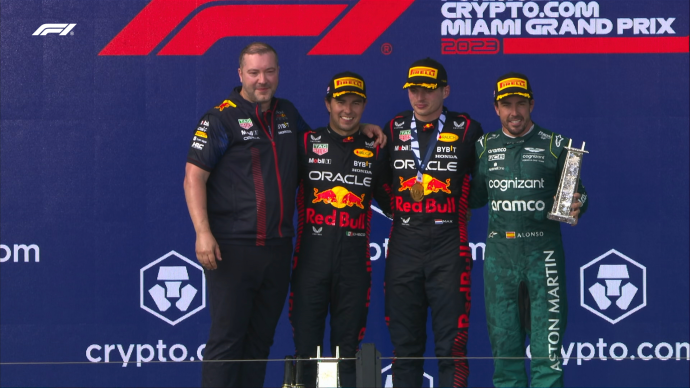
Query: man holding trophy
x=517, y=172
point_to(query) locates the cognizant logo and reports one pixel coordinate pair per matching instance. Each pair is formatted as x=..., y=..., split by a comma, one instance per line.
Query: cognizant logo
x=505, y=184
x=196, y=25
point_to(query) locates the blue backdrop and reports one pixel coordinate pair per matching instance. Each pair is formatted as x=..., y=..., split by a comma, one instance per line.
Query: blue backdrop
x=99, y=107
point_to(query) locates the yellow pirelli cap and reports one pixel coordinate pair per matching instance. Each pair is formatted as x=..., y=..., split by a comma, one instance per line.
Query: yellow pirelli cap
x=512, y=84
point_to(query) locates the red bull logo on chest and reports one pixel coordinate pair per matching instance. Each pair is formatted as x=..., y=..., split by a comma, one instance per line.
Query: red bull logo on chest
x=339, y=197
x=431, y=184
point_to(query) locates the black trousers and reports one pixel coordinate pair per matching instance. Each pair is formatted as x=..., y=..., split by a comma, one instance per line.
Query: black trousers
x=246, y=296
x=341, y=282
x=432, y=270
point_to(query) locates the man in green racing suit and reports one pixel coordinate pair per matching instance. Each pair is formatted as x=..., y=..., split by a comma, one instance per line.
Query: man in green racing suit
x=517, y=172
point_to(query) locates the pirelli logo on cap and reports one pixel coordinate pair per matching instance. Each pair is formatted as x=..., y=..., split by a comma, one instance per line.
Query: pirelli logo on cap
x=512, y=83
x=348, y=81
x=423, y=71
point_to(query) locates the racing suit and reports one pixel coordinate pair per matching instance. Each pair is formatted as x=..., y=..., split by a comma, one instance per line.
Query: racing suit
x=429, y=259
x=524, y=264
x=338, y=176
x=250, y=196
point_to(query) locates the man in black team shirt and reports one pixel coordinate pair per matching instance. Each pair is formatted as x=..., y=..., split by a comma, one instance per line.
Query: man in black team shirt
x=240, y=183
x=340, y=170
x=429, y=260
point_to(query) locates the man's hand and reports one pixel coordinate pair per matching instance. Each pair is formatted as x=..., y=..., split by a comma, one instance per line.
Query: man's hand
x=575, y=207
x=207, y=250
x=371, y=131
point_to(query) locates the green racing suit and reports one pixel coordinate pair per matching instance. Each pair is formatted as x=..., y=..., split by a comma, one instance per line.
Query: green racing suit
x=524, y=265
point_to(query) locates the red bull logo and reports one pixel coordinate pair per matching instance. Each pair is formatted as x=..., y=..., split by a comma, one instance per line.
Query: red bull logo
x=431, y=184
x=226, y=104
x=339, y=197
x=341, y=219
x=428, y=126
x=429, y=205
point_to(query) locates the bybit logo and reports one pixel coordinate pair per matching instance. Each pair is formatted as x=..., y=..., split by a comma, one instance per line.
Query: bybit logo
x=613, y=286
x=172, y=278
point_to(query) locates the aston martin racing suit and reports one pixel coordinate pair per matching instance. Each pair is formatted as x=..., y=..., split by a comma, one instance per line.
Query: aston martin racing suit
x=524, y=264
x=429, y=259
x=338, y=176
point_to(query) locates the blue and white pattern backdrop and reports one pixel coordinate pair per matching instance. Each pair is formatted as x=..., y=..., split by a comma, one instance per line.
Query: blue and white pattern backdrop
x=100, y=285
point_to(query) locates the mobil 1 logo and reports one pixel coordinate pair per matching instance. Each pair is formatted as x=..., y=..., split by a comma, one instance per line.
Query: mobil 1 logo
x=172, y=288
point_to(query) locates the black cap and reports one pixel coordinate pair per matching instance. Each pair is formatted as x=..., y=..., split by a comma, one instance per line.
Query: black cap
x=426, y=73
x=346, y=82
x=512, y=83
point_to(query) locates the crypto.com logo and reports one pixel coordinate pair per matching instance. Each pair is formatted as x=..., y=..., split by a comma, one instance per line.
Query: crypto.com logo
x=173, y=288
x=203, y=22
x=615, y=287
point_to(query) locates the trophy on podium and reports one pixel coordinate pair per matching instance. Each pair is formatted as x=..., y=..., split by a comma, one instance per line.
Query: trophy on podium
x=567, y=187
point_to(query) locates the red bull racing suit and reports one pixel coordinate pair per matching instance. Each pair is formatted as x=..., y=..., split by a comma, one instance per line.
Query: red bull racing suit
x=429, y=259
x=338, y=177
x=524, y=264
x=250, y=199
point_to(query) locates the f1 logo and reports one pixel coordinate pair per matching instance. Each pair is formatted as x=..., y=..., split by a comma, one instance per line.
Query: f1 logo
x=207, y=25
x=54, y=28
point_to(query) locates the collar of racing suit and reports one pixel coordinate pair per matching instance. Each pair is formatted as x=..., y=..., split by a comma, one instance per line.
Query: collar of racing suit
x=343, y=139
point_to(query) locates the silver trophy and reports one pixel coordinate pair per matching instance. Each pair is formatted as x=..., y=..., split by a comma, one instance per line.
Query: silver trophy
x=568, y=185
